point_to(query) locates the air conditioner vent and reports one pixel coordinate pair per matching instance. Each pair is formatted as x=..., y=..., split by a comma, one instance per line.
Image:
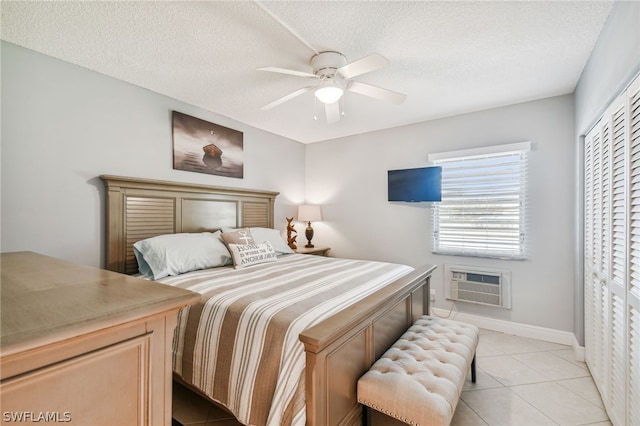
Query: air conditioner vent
x=475, y=285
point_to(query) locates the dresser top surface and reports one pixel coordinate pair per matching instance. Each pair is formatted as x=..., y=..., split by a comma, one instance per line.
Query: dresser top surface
x=44, y=298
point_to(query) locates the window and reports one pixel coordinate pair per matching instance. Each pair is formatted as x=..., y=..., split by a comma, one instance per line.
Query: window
x=483, y=206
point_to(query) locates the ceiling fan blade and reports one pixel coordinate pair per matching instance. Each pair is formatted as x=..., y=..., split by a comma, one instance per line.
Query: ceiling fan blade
x=286, y=98
x=376, y=92
x=332, y=112
x=287, y=71
x=369, y=63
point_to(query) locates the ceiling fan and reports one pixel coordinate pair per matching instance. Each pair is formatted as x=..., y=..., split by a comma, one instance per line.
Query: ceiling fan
x=333, y=77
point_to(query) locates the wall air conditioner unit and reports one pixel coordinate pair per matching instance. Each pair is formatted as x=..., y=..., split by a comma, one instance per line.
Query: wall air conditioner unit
x=490, y=287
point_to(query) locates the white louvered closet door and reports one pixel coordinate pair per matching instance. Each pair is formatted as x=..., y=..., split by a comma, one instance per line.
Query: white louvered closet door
x=593, y=201
x=612, y=256
x=617, y=274
x=590, y=310
x=633, y=291
x=597, y=189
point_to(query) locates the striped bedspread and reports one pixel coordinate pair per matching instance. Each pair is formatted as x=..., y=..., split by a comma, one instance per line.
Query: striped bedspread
x=240, y=345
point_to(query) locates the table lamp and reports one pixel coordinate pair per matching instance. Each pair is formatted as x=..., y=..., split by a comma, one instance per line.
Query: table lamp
x=309, y=213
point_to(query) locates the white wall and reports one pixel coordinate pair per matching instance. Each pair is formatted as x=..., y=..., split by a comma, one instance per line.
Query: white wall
x=348, y=177
x=63, y=126
x=614, y=62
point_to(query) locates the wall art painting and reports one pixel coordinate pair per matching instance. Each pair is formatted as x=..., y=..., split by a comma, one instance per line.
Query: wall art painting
x=204, y=147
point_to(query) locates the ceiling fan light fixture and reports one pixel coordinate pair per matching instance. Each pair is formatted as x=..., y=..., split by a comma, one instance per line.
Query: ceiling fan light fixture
x=328, y=94
x=333, y=77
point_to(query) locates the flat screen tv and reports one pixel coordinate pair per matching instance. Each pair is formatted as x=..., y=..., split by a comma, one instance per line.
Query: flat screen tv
x=415, y=185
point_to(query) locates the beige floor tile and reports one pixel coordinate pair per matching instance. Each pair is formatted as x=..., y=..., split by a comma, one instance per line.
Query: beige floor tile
x=486, y=347
x=559, y=404
x=482, y=331
x=551, y=366
x=501, y=407
x=584, y=387
x=546, y=346
x=507, y=343
x=569, y=355
x=483, y=381
x=509, y=371
x=465, y=416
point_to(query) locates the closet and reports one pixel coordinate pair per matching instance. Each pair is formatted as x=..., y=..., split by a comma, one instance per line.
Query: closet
x=612, y=256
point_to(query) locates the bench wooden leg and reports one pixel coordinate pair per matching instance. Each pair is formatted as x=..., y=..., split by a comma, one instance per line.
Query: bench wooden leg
x=473, y=369
x=366, y=415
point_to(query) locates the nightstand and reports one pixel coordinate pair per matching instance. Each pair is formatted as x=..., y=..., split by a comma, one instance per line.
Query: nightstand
x=320, y=251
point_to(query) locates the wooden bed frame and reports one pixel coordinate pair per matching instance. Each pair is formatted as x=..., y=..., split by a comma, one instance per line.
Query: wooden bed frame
x=338, y=350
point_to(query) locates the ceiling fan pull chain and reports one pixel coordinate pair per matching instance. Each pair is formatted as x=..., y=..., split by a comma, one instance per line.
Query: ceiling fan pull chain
x=315, y=108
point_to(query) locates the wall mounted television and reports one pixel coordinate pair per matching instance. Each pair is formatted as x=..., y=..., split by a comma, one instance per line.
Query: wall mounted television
x=422, y=184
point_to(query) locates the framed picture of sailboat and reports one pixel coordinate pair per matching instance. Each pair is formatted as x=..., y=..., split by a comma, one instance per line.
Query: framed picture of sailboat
x=204, y=147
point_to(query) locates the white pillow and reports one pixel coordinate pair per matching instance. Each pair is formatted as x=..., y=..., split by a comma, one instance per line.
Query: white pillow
x=261, y=235
x=175, y=254
x=251, y=254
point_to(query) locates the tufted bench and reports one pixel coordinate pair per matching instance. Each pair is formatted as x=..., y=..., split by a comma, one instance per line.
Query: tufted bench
x=419, y=379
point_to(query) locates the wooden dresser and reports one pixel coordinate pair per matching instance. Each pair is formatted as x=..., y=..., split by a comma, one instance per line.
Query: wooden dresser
x=84, y=346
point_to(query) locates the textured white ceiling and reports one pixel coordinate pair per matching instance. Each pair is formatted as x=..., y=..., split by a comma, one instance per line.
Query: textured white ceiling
x=448, y=57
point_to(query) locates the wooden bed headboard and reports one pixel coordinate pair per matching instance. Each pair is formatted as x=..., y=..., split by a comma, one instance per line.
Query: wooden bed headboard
x=143, y=208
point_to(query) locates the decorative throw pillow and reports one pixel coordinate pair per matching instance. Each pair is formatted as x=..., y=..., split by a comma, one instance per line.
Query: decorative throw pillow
x=244, y=255
x=261, y=235
x=175, y=254
x=238, y=236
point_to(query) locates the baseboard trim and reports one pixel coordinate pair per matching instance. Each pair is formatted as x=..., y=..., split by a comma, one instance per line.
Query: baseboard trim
x=517, y=329
x=578, y=350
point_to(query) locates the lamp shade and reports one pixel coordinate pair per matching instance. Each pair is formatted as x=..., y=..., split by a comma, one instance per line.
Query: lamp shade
x=309, y=213
x=329, y=94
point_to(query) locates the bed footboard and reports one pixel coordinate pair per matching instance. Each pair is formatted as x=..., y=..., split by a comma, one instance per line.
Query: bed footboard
x=342, y=348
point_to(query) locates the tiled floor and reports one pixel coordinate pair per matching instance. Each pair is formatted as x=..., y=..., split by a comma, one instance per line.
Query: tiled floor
x=524, y=381
x=520, y=382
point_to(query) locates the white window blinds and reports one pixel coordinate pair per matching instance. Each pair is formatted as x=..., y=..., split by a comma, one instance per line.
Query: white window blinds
x=483, y=207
